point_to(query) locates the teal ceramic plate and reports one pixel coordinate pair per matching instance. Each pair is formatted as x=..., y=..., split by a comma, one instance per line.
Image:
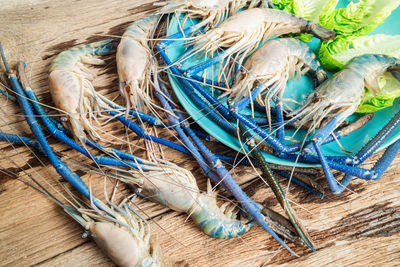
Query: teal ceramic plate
x=353, y=142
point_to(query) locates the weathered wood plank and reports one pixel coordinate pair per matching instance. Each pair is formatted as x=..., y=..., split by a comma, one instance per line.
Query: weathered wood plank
x=360, y=227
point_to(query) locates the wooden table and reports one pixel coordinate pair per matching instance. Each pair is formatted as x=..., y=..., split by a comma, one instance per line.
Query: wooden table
x=359, y=227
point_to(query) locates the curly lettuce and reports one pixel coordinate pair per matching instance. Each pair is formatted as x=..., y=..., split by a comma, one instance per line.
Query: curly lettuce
x=389, y=91
x=360, y=18
x=356, y=19
x=286, y=5
x=350, y=25
x=314, y=9
x=335, y=54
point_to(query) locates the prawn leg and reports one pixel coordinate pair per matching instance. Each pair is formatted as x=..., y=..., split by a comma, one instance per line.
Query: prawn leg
x=247, y=203
x=379, y=168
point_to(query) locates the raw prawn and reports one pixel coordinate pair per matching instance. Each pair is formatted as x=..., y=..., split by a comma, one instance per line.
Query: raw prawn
x=243, y=32
x=336, y=99
x=341, y=94
x=71, y=88
x=176, y=188
x=133, y=62
x=272, y=66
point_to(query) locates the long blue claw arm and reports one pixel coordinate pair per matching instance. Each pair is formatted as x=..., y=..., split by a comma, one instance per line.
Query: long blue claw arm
x=387, y=158
x=281, y=124
x=60, y=167
x=188, y=87
x=274, y=184
x=328, y=173
x=321, y=135
x=247, y=203
x=177, y=126
x=370, y=148
x=377, y=141
x=21, y=140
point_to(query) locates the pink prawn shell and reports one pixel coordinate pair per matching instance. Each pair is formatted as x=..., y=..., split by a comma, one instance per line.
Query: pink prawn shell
x=117, y=243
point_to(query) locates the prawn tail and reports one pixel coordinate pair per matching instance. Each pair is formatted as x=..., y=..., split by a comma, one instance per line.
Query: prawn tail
x=219, y=222
x=321, y=32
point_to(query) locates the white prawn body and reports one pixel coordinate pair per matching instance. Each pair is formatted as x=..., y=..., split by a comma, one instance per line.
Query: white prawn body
x=71, y=88
x=133, y=62
x=126, y=240
x=272, y=66
x=243, y=32
x=177, y=189
x=342, y=93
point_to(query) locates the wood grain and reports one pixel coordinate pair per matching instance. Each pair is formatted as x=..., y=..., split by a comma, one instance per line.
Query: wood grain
x=359, y=227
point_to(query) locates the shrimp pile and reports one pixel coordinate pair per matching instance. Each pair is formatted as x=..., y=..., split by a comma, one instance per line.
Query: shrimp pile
x=244, y=31
x=239, y=37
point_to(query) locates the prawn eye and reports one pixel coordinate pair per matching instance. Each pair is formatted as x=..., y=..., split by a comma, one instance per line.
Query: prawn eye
x=84, y=235
x=64, y=119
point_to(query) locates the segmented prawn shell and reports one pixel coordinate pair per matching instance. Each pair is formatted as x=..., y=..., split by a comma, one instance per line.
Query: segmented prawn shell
x=343, y=92
x=176, y=188
x=273, y=65
x=133, y=62
x=124, y=247
x=121, y=233
x=243, y=32
x=71, y=88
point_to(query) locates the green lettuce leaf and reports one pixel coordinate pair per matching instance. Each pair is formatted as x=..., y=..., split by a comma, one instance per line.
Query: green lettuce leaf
x=390, y=90
x=313, y=9
x=335, y=54
x=360, y=18
x=286, y=5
